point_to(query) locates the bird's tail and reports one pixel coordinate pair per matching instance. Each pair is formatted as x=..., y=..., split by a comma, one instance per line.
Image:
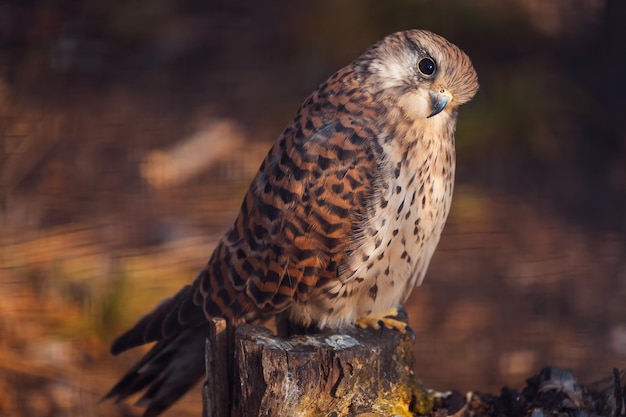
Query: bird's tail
x=169, y=369
x=173, y=365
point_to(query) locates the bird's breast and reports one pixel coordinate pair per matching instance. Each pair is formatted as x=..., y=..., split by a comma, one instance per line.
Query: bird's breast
x=397, y=241
x=407, y=225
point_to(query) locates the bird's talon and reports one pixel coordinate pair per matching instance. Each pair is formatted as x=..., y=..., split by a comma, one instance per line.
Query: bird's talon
x=387, y=321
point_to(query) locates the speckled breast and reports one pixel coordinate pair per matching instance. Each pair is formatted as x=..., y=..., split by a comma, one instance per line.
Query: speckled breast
x=399, y=239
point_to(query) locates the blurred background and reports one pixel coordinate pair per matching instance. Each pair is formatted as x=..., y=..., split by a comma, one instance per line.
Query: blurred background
x=129, y=132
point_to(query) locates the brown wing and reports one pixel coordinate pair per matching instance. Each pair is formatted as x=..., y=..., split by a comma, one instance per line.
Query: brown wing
x=304, y=211
x=298, y=223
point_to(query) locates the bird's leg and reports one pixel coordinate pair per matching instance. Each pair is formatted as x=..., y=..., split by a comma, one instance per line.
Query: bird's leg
x=391, y=319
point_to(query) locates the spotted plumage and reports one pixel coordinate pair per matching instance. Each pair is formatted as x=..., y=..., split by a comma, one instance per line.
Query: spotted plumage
x=341, y=220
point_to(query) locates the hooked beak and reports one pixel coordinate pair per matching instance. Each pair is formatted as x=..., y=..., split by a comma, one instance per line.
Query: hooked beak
x=438, y=101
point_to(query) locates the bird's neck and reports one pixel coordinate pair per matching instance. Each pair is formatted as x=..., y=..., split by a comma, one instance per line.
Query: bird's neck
x=419, y=138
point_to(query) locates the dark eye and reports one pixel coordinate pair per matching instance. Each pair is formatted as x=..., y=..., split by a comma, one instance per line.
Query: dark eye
x=427, y=66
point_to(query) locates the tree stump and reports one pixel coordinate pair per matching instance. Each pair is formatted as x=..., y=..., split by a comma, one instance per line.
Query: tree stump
x=350, y=373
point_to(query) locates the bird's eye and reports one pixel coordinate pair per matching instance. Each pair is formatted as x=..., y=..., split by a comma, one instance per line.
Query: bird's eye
x=427, y=66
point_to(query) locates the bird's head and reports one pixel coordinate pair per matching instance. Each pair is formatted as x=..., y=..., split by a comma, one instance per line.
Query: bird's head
x=420, y=72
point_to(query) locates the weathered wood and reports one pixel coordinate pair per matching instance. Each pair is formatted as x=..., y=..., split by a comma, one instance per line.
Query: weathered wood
x=216, y=390
x=369, y=373
x=328, y=374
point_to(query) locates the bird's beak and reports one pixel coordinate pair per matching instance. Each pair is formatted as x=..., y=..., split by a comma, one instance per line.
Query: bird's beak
x=438, y=101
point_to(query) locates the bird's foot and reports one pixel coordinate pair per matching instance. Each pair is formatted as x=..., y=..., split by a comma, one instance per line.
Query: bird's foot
x=390, y=319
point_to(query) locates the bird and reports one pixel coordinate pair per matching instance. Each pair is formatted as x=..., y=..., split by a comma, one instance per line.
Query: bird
x=340, y=222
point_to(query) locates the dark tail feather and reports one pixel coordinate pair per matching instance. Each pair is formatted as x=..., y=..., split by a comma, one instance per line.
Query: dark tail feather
x=170, y=317
x=175, y=363
x=170, y=369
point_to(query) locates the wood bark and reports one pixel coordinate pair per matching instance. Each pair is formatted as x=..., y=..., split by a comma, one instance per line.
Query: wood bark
x=216, y=390
x=347, y=373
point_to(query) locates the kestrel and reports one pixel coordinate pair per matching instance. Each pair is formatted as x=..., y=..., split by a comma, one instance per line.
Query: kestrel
x=341, y=220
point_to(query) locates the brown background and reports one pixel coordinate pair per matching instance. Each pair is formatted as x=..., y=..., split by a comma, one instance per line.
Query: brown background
x=104, y=105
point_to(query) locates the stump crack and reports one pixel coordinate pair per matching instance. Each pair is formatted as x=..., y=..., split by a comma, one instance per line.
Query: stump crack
x=340, y=376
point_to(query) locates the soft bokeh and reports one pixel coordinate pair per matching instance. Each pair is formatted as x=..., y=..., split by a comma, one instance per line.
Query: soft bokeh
x=129, y=131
